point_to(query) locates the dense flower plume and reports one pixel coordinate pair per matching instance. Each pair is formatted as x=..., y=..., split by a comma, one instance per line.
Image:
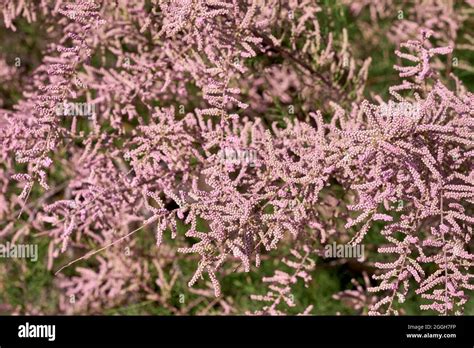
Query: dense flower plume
x=239, y=133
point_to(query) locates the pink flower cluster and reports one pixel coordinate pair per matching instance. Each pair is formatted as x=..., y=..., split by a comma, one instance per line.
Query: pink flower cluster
x=173, y=84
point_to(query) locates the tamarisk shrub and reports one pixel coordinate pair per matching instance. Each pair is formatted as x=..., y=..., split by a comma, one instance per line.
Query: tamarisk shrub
x=317, y=156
